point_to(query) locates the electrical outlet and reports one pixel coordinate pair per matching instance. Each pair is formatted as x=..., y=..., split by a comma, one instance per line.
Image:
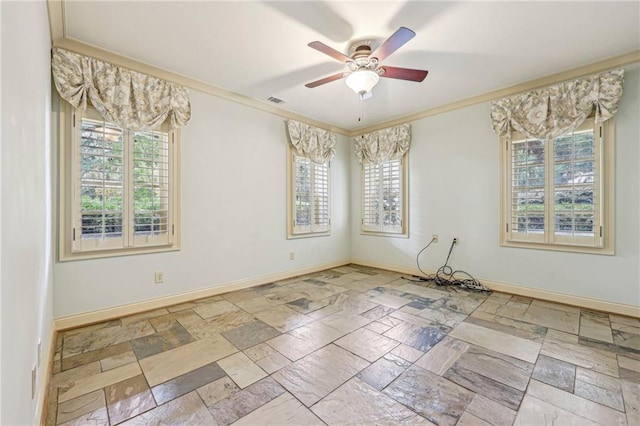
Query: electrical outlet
x=33, y=382
x=434, y=238
x=292, y=255
x=456, y=241
x=159, y=277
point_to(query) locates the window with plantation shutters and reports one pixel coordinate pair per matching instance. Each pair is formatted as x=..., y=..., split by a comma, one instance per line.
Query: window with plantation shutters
x=383, y=197
x=309, y=201
x=557, y=191
x=121, y=192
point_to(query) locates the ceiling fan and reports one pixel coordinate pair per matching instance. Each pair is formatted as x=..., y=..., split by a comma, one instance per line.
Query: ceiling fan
x=364, y=68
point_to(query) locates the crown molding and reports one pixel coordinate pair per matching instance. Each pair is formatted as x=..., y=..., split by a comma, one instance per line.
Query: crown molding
x=57, y=20
x=584, y=70
x=57, y=23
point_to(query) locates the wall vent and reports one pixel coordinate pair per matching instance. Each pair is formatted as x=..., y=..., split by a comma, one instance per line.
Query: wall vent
x=275, y=100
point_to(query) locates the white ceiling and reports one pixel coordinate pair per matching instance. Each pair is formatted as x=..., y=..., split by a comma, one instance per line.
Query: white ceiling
x=259, y=49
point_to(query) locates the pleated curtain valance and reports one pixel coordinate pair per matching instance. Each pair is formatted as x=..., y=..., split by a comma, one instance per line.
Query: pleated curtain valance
x=310, y=142
x=552, y=111
x=383, y=145
x=130, y=99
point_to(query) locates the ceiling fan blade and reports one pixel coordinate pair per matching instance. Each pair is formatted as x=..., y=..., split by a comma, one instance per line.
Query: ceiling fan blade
x=404, y=73
x=393, y=43
x=321, y=47
x=325, y=80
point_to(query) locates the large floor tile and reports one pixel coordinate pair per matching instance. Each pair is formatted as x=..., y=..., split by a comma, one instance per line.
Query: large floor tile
x=490, y=411
x=535, y=412
x=251, y=334
x=241, y=369
x=421, y=338
x=583, y=356
x=176, y=362
x=503, y=394
x=269, y=359
x=186, y=410
x=438, y=400
x=365, y=406
x=128, y=398
x=499, y=367
x=80, y=406
x=497, y=341
x=563, y=320
x=187, y=382
x=304, y=340
x=582, y=407
x=555, y=373
x=385, y=370
x=314, y=376
x=283, y=410
x=283, y=318
x=367, y=344
x=599, y=387
x=239, y=404
x=443, y=355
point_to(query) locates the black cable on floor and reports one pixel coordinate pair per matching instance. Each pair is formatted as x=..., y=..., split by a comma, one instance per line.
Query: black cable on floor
x=445, y=275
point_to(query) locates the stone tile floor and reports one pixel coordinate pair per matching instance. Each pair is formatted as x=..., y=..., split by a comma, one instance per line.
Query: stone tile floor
x=351, y=345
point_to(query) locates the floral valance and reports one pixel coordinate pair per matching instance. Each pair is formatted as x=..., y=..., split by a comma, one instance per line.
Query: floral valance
x=383, y=145
x=310, y=142
x=552, y=111
x=130, y=99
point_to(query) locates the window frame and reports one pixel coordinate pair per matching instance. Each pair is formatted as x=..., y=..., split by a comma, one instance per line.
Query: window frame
x=604, y=144
x=292, y=231
x=68, y=192
x=404, y=203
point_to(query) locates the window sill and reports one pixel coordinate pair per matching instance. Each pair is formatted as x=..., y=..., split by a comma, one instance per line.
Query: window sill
x=308, y=235
x=607, y=251
x=384, y=234
x=69, y=257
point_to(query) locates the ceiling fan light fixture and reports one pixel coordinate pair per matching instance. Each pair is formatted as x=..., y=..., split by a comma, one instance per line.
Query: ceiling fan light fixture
x=362, y=81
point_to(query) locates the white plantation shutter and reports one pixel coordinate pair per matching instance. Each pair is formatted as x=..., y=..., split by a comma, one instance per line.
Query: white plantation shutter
x=576, y=188
x=555, y=188
x=310, y=196
x=151, y=201
x=527, y=219
x=100, y=185
x=321, y=197
x=383, y=197
x=123, y=185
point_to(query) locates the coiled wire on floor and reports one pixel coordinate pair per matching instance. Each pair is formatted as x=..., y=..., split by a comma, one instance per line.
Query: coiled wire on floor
x=445, y=275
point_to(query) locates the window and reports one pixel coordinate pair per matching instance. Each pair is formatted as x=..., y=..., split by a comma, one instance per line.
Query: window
x=309, y=212
x=384, y=200
x=120, y=188
x=557, y=193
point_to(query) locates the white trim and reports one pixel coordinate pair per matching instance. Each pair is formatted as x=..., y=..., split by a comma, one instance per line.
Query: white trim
x=57, y=19
x=92, y=317
x=568, y=299
x=59, y=38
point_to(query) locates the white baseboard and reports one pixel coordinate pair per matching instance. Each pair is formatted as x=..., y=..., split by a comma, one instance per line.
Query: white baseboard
x=567, y=299
x=87, y=318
